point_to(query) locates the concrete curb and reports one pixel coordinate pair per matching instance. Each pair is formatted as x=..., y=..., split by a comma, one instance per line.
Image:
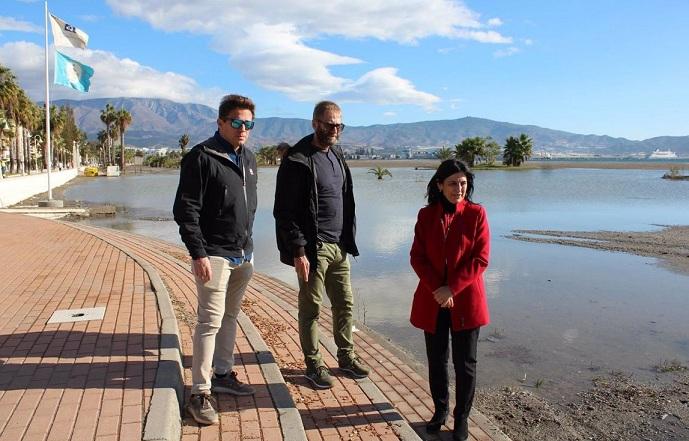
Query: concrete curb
x=290, y=420
x=399, y=425
x=164, y=418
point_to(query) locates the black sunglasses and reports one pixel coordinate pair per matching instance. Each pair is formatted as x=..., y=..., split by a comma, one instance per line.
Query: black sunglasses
x=237, y=123
x=330, y=126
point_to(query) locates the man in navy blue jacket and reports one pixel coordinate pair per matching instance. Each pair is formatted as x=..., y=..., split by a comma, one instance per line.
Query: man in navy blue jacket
x=214, y=208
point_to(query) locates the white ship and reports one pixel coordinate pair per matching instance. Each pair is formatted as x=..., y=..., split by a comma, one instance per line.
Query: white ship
x=662, y=154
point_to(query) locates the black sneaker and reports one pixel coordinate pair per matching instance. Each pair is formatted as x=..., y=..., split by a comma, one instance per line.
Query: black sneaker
x=320, y=377
x=230, y=384
x=355, y=368
x=200, y=407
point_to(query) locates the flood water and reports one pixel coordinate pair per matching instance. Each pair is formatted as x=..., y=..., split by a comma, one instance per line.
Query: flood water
x=558, y=314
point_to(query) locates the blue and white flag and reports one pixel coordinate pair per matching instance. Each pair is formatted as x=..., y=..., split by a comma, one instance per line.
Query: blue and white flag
x=71, y=73
x=64, y=34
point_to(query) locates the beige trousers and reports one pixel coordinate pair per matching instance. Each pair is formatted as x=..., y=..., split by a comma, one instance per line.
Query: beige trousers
x=219, y=303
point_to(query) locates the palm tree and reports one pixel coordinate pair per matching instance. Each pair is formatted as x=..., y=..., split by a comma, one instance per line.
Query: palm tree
x=517, y=150
x=122, y=120
x=183, y=142
x=444, y=154
x=268, y=155
x=380, y=172
x=469, y=149
x=107, y=116
x=102, y=141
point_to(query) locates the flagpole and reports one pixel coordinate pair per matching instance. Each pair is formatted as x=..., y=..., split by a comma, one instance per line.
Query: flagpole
x=47, y=106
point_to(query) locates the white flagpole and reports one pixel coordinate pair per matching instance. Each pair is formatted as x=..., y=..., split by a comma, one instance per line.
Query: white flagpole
x=47, y=106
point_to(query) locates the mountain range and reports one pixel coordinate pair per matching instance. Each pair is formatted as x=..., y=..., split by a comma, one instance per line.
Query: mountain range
x=159, y=122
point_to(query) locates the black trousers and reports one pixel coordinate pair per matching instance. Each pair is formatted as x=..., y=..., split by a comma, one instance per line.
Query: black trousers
x=464, y=359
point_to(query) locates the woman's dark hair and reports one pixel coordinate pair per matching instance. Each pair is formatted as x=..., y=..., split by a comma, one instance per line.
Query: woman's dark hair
x=446, y=169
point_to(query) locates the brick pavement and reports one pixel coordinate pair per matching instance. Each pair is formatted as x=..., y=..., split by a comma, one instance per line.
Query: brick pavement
x=93, y=380
x=72, y=381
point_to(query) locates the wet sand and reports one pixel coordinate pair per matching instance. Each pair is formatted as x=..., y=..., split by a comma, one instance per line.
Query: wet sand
x=670, y=244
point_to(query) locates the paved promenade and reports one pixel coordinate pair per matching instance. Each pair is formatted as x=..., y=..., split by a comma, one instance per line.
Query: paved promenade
x=118, y=378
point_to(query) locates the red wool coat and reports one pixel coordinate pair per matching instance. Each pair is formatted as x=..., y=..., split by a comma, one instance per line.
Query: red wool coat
x=464, y=251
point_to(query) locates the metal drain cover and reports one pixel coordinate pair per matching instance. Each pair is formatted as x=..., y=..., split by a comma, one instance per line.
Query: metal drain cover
x=77, y=315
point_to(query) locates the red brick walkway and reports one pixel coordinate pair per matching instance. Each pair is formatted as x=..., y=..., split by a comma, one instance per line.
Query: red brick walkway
x=72, y=381
x=93, y=380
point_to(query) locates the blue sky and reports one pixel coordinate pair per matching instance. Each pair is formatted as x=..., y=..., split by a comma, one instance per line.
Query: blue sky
x=619, y=68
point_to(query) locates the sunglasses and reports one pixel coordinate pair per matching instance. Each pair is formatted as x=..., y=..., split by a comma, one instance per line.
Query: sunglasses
x=237, y=123
x=340, y=127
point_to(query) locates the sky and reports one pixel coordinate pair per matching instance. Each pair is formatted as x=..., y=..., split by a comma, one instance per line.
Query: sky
x=604, y=67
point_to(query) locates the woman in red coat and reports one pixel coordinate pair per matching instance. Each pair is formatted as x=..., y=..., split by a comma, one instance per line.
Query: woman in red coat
x=450, y=254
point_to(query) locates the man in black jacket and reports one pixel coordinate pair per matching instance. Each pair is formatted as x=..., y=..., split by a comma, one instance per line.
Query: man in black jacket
x=315, y=227
x=214, y=208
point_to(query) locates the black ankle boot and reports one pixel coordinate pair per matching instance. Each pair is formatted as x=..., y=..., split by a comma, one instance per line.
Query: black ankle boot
x=439, y=418
x=461, y=430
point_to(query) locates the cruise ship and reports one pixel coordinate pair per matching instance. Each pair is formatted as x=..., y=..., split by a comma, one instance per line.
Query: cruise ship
x=662, y=154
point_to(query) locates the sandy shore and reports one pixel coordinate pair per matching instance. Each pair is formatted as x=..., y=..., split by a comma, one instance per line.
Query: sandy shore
x=670, y=244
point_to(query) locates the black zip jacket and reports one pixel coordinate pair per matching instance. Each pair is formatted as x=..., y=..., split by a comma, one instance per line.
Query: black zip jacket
x=296, y=205
x=216, y=201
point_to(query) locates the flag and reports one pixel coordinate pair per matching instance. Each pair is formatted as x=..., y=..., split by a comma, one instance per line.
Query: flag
x=71, y=73
x=64, y=34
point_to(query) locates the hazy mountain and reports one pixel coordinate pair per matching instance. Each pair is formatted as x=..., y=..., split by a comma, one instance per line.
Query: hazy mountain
x=157, y=122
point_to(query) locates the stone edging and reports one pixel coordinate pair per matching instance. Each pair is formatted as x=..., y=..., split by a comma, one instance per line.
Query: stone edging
x=290, y=420
x=399, y=425
x=164, y=420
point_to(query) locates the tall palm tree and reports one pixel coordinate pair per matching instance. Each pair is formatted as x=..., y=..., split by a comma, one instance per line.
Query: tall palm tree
x=107, y=116
x=122, y=119
x=103, y=142
x=183, y=141
x=380, y=172
x=517, y=150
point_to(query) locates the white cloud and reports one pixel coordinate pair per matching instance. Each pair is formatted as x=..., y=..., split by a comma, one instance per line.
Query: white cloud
x=506, y=52
x=12, y=24
x=389, y=114
x=455, y=103
x=114, y=77
x=383, y=86
x=528, y=41
x=495, y=22
x=272, y=42
x=445, y=50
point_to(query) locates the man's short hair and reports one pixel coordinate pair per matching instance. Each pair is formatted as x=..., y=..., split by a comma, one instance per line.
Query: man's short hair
x=230, y=102
x=323, y=107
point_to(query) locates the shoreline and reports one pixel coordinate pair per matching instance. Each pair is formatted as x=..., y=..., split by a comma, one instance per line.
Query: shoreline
x=670, y=245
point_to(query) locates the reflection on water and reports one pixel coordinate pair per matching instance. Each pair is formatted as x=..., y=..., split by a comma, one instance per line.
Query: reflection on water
x=560, y=311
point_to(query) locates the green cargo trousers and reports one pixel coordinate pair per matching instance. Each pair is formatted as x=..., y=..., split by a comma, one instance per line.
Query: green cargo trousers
x=332, y=276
